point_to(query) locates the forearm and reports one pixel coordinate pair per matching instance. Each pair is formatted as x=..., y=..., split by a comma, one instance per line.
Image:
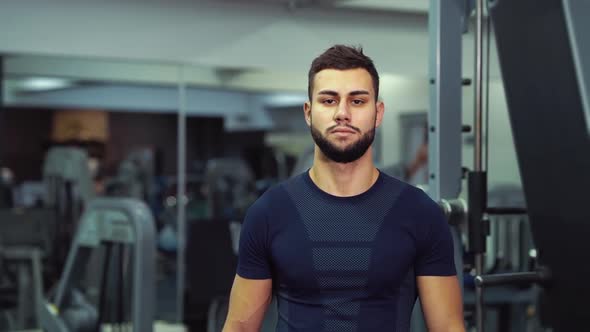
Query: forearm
x=240, y=326
x=248, y=323
x=450, y=321
x=246, y=313
x=451, y=327
x=442, y=304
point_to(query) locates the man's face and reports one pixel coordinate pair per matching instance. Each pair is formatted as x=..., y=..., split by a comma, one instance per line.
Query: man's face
x=343, y=114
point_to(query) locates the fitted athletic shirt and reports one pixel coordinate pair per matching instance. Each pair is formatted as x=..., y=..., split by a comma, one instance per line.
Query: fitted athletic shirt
x=345, y=264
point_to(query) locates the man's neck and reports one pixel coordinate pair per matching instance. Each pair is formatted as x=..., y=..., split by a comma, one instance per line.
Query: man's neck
x=343, y=180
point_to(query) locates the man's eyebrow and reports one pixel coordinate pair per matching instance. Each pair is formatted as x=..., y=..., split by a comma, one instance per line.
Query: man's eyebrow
x=359, y=92
x=328, y=92
x=352, y=93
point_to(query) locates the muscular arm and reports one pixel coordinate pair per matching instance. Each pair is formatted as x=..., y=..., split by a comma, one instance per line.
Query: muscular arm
x=247, y=304
x=441, y=303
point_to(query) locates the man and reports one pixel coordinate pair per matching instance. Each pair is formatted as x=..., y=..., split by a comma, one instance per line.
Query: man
x=343, y=246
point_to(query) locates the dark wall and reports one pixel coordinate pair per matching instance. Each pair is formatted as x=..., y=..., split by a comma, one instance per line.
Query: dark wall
x=236, y=142
x=204, y=140
x=25, y=136
x=130, y=131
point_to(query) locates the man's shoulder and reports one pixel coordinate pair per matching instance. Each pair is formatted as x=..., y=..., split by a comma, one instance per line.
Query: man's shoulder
x=412, y=197
x=392, y=180
x=278, y=192
x=393, y=185
x=293, y=186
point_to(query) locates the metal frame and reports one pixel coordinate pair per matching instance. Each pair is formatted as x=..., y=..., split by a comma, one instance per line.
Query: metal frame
x=539, y=31
x=102, y=222
x=446, y=24
x=24, y=256
x=445, y=63
x=180, y=194
x=576, y=24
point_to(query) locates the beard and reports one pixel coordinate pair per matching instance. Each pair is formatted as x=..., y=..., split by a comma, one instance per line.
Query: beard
x=347, y=154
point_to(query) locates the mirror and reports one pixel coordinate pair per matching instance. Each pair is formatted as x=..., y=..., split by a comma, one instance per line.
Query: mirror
x=118, y=125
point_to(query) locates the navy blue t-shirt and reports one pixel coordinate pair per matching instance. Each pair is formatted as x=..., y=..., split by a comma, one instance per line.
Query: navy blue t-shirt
x=345, y=264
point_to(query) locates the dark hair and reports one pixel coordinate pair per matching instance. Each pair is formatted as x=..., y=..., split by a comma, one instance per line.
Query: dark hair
x=342, y=57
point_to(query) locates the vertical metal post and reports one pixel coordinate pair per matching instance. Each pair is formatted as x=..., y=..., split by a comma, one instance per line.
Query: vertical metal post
x=478, y=123
x=478, y=148
x=1, y=101
x=181, y=194
x=1, y=82
x=445, y=25
x=36, y=263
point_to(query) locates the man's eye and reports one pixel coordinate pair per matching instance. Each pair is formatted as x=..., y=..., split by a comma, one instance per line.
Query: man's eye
x=329, y=101
x=358, y=101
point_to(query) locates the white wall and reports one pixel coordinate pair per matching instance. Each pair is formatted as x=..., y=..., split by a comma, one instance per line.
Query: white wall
x=503, y=165
x=405, y=95
x=400, y=95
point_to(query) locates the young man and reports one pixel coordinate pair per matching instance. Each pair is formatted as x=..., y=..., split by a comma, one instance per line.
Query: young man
x=343, y=246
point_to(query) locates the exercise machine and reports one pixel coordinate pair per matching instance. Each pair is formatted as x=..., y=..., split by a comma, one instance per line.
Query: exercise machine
x=119, y=234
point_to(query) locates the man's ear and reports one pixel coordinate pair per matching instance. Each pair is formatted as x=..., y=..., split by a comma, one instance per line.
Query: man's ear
x=307, y=112
x=379, y=116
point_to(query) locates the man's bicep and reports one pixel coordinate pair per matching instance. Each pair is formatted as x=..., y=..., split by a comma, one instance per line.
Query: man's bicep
x=248, y=302
x=441, y=302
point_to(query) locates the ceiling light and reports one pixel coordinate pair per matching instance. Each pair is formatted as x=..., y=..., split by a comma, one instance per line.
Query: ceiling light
x=44, y=83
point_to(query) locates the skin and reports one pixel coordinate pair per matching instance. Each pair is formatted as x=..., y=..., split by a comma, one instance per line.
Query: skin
x=343, y=108
x=343, y=98
x=248, y=302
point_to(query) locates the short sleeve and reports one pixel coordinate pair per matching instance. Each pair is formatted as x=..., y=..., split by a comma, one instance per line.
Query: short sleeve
x=435, y=256
x=253, y=257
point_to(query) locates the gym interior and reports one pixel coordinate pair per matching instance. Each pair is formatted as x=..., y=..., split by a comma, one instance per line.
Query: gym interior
x=136, y=135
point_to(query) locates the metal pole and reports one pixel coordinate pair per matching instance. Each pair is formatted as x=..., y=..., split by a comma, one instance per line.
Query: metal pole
x=1, y=102
x=479, y=294
x=180, y=194
x=444, y=117
x=477, y=160
x=478, y=125
x=446, y=26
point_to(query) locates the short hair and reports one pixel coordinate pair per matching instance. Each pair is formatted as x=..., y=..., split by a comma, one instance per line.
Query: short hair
x=342, y=57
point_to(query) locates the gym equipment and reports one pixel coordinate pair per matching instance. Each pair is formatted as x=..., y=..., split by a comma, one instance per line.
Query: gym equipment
x=135, y=176
x=67, y=177
x=231, y=190
x=548, y=97
x=27, y=239
x=446, y=22
x=551, y=87
x=548, y=101
x=69, y=188
x=121, y=231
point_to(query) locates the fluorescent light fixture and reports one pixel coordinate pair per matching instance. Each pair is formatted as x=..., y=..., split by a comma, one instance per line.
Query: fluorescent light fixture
x=285, y=99
x=416, y=6
x=43, y=83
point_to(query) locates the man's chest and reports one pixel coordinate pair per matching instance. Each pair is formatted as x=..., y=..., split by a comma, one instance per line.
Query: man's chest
x=355, y=255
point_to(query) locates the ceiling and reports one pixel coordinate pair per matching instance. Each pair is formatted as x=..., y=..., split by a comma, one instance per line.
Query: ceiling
x=145, y=42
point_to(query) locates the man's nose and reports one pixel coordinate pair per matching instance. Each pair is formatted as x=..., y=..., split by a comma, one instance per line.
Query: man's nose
x=342, y=113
